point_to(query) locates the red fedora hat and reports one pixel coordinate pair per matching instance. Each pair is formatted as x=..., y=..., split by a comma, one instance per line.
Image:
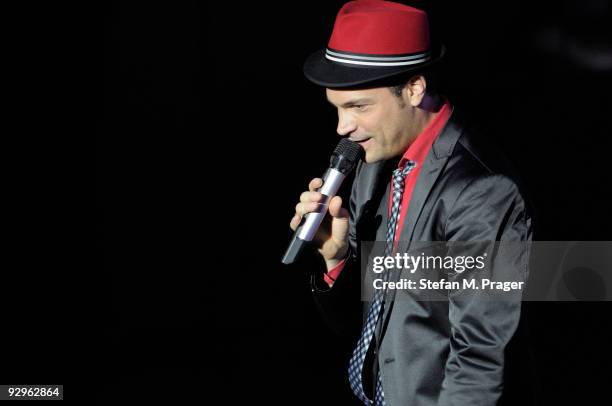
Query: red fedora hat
x=373, y=40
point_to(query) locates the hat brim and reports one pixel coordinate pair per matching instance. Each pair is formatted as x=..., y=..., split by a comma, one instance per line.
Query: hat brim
x=323, y=72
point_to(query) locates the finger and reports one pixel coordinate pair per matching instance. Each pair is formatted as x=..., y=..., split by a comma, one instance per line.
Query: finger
x=311, y=197
x=315, y=184
x=335, y=208
x=295, y=222
x=303, y=208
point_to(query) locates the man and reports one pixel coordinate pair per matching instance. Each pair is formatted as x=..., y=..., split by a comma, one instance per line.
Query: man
x=425, y=177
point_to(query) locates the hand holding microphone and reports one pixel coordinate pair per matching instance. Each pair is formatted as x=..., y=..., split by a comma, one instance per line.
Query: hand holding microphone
x=331, y=237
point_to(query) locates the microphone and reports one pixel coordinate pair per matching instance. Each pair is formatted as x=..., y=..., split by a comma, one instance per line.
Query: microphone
x=341, y=163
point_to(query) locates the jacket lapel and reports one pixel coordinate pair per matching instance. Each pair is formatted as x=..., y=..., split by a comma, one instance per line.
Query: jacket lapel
x=431, y=169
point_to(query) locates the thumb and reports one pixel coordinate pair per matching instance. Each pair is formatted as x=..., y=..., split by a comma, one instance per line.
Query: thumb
x=336, y=210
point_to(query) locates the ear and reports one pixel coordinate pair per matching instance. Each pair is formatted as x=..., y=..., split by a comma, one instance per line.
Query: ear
x=415, y=90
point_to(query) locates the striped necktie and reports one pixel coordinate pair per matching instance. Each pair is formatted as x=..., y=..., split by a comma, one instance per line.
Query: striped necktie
x=359, y=354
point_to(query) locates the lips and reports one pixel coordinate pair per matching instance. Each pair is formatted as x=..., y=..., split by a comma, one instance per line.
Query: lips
x=364, y=142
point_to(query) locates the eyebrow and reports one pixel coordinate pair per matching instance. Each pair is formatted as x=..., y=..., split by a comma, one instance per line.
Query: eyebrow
x=350, y=103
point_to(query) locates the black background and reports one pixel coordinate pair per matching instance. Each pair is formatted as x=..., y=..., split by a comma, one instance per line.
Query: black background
x=209, y=132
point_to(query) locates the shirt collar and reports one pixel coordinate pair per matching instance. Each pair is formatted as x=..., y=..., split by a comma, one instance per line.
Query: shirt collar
x=417, y=151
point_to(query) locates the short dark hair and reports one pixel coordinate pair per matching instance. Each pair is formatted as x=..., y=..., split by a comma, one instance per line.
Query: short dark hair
x=397, y=86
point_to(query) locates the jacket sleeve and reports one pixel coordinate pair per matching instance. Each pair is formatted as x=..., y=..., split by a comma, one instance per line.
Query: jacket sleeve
x=489, y=208
x=339, y=305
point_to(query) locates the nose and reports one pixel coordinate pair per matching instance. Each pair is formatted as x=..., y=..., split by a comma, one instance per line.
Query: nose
x=346, y=123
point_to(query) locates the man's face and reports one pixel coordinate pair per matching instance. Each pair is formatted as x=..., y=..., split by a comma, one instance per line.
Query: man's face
x=381, y=122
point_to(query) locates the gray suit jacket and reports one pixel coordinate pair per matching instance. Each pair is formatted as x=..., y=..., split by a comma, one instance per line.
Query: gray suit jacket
x=448, y=352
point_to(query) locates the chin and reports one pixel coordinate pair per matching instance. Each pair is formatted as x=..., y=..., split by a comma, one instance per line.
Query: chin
x=371, y=158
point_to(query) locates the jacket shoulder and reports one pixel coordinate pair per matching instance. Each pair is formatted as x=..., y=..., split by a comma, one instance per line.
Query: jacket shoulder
x=476, y=156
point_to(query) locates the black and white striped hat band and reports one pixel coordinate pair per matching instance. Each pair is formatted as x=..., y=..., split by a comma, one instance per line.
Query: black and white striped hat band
x=360, y=59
